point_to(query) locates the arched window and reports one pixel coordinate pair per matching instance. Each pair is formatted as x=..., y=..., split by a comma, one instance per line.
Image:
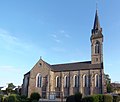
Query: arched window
x=38, y=80
x=85, y=81
x=97, y=47
x=66, y=81
x=57, y=81
x=96, y=80
x=75, y=81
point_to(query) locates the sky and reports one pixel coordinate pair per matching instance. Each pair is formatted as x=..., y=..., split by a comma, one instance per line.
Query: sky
x=57, y=30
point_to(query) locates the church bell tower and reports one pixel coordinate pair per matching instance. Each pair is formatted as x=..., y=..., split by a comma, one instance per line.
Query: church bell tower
x=96, y=42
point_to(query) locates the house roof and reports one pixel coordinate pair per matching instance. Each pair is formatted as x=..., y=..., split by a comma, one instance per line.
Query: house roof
x=75, y=66
x=117, y=85
x=4, y=88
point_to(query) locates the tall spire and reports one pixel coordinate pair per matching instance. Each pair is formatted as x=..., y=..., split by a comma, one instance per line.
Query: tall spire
x=96, y=42
x=96, y=22
x=97, y=30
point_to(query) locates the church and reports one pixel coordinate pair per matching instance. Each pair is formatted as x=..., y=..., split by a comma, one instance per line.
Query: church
x=67, y=79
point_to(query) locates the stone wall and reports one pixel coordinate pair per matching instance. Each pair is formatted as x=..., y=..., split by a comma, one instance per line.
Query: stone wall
x=44, y=70
x=40, y=68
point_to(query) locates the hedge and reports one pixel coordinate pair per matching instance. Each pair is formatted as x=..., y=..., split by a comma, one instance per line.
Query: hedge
x=11, y=98
x=34, y=101
x=88, y=99
x=98, y=98
x=71, y=99
x=107, y=98
x=78, y=97
x=23, y=98
x=35, y=96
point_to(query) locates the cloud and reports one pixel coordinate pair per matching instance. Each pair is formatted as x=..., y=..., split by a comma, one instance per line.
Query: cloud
x=64, y=34
x=56, y=38
x=14, y=44
x=59, y=35
x=11, y=40
x=67, y=35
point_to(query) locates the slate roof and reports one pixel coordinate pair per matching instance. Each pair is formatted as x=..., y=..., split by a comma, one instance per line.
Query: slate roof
x=75, y=66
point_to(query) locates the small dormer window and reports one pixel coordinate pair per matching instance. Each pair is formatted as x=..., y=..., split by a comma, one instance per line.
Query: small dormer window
x=40, y=64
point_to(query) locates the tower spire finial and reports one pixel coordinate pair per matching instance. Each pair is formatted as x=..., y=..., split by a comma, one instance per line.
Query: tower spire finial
x=96, y=4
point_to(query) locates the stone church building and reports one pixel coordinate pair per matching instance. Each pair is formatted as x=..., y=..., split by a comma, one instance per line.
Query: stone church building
x=69, y=78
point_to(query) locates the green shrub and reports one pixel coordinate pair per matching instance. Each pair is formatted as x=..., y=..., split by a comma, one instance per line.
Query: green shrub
x=35, y=96
x=5, y=99
x=107, y=98
x=97, y=98
x=78, y=97
x=93, y=98
x=11, y=98
x=88, y=99
x=34, y=101
x=1, y=98
x=23, y=98
x=28, y=100
x=84, y=99
x=70, y=98
x=116, y=98
x=100, y=97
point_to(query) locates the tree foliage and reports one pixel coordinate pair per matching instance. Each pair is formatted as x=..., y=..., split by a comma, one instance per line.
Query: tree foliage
x=10, y=88
x=35, y=96
x=109, y=88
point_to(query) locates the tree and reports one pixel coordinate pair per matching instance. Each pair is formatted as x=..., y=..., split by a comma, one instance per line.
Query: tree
x=107, y=78
x=108, y=83
x=109, y=88
x=10, y=88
